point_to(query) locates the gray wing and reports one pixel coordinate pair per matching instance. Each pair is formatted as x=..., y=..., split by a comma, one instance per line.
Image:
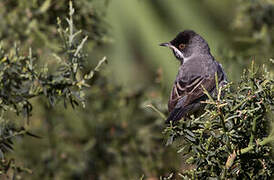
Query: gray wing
x=187, y=90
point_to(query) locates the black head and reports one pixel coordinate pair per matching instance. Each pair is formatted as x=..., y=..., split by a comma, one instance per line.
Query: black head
x=183, y=39
x=186, y=43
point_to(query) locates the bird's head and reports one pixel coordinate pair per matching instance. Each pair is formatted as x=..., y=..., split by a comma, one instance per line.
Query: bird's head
x=187, y=43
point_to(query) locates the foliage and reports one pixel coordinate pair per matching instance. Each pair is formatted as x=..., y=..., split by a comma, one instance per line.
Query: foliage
x=96, y=142
x=33, y=22
x=21, y=80
x=255, y=22
x=115, y=136
x=231, y=139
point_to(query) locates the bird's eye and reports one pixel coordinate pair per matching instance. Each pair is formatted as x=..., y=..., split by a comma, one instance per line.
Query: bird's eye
x=182, y=46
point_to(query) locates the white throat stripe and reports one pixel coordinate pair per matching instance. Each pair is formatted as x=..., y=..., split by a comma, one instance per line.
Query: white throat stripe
x=180, y=54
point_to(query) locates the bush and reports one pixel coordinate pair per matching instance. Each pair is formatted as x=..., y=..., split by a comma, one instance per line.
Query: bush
x=21, y=80
x=232, y=138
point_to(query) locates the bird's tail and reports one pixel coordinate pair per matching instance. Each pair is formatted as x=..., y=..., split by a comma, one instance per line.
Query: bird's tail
x=177, y=114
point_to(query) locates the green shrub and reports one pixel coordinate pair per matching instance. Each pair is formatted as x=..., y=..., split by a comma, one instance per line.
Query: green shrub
x=21, y=80
x=232, y=138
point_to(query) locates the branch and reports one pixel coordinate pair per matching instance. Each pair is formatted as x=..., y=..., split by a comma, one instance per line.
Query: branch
x=261, y=143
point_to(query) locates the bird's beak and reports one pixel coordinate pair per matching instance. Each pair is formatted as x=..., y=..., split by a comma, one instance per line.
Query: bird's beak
x=177, y=52
x=165, y=44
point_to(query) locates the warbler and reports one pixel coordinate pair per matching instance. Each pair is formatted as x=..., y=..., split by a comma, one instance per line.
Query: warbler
x=197, y=71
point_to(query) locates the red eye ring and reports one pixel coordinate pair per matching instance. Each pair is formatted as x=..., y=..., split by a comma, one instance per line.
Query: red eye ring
x=182, y=46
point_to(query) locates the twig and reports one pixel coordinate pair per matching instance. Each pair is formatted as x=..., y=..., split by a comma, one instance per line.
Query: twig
x=156, y=110
x=253, y=130
x=261, y=143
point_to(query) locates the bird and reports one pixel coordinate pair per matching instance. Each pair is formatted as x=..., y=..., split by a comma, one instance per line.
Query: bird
x=197, y=71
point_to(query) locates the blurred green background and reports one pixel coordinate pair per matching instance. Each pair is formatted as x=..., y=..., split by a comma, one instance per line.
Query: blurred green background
x=139, y=26
x=116, y=136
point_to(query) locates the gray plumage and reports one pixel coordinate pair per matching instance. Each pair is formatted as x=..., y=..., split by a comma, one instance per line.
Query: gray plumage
x=198, y=68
